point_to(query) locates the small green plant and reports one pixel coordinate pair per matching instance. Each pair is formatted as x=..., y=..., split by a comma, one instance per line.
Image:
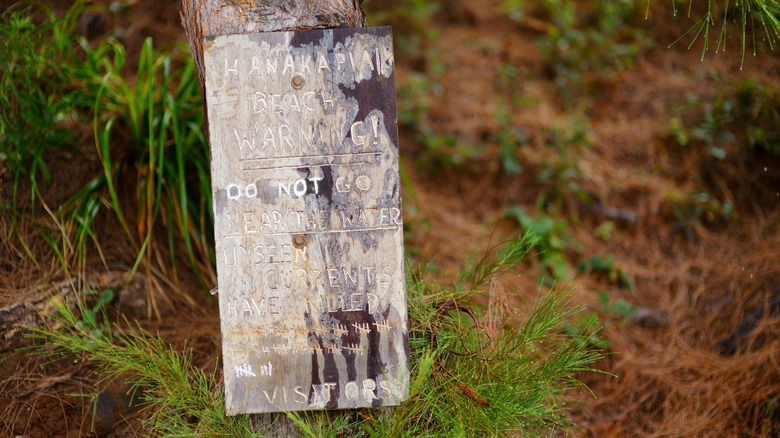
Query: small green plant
x=744, y=111
x=489, y=381
x=550, y=240
x=89, y=322
x=693, y=210
x=606, y=265
x=560, y=167
x=445, y=150
x=605, y=230
x=514, y=9
x=711, y=131
x=678, y=132
x=617, y=312
x=618, y=307
x=509, y=87
x=509, y=140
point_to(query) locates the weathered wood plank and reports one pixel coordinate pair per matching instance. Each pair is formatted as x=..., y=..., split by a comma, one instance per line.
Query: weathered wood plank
x=307, y=219
x=205, y=18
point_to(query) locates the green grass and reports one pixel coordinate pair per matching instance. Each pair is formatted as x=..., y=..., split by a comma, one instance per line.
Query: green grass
x=476, y=370
x=162, y=113
x=174, y=391
x=147, y=132
x=37, y=99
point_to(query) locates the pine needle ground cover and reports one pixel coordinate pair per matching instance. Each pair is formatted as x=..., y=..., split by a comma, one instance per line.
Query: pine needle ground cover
x=649, y=182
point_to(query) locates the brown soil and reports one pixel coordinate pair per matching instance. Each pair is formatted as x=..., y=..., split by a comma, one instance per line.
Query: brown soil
x=680, y=366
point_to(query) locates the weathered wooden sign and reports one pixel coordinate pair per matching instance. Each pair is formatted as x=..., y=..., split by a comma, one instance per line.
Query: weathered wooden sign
x=307, y=218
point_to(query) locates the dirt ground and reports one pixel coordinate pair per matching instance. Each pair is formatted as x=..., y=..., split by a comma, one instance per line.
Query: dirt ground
x=699, y=357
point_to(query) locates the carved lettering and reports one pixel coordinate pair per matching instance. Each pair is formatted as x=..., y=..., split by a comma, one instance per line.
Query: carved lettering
x=288, y=64
x=307, y=219
x=385, y=385
x=369, y=385
x=244, y=370
x=232, y=224
x=267, y=369
x=233, y=191
x=351, y=390
x=382, y=326
x=231, y=71
x=247, y=309
x=362, y=327
x=367, y=217
x=366, y=60
x=322, y=62
x=269, y=67
x=387, y=271
x=255, y=67
x=373, y=303
x=333, y=277
x=236, y=192
x=300, y=186
x=327, y=101
x=321, y=393
x=270, y=399
x=340, y=59
x=357, y=139
x=300, y=397
x=244, y=142
x=273, y=305
x=307, y=99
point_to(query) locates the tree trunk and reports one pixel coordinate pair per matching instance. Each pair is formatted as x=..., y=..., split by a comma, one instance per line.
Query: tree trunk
x=202, y=18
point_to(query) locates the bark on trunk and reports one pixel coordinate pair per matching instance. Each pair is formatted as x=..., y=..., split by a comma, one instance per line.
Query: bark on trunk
x=202, y=18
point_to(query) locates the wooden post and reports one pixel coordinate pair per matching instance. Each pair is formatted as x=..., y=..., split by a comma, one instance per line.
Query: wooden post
x=307, y=205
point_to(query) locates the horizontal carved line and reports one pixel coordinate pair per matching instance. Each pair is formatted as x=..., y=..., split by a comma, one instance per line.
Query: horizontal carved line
x=307, y=165
x=325, y=156
x=289, y=233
